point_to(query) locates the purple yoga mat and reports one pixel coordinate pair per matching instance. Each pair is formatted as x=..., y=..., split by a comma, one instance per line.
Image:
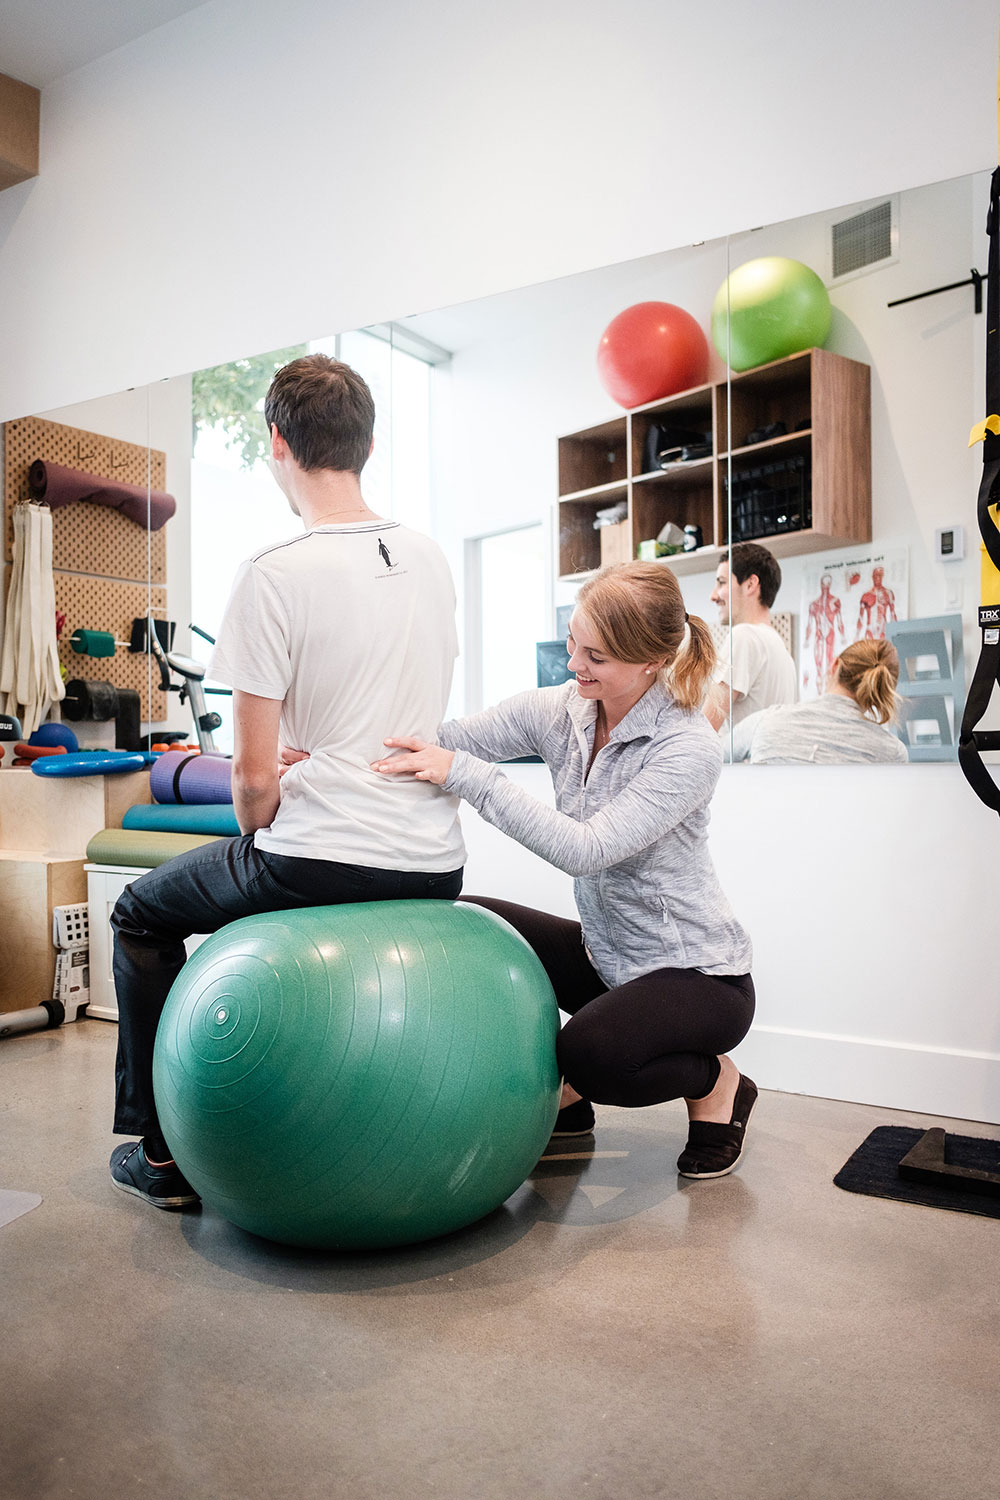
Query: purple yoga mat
x=59, y=486
x=180, y=776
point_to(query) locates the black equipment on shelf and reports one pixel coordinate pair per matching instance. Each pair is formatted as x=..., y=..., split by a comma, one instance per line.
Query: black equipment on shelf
x=663, y=439
x=768, y=499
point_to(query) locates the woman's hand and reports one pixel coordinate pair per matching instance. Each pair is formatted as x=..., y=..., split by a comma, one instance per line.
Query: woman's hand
x=287, y=757
x=425, y=762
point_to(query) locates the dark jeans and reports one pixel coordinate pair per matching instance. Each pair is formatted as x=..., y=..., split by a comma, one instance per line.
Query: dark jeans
x=655, y=1038
x=202, y=891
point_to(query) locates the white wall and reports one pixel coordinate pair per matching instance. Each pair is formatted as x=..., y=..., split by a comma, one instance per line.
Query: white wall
x=243, y=177
x=867, y=892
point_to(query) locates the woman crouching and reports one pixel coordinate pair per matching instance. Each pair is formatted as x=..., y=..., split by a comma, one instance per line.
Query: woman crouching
x=655, y=975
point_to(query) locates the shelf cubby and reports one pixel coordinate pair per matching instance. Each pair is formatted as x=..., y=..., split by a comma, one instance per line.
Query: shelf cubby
x=824, y=402
x=595, y=458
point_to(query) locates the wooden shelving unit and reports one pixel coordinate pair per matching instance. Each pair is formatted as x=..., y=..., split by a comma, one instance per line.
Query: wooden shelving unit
x=823, y=399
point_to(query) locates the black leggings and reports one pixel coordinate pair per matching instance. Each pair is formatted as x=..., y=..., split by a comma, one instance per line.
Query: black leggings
x=654, y=1038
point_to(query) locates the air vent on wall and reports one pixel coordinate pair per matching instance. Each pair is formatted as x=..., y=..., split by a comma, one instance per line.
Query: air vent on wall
x=863, y=242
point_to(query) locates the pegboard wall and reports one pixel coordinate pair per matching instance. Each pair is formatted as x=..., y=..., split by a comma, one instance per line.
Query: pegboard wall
x=101, y=560
x=88, y=538
x=115, y=605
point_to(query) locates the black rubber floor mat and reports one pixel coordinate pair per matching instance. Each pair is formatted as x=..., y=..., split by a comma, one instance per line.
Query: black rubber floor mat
x=874, y=1170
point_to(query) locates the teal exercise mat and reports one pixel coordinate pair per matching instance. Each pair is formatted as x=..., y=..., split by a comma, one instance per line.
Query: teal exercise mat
x=218, y=818
x=144, y=850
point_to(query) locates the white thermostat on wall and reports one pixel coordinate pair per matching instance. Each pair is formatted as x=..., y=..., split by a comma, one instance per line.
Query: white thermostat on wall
x=949, y=543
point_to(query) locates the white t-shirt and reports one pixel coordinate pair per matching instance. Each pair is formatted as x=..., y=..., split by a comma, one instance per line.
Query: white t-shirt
x=762, y=670
x=353, y=629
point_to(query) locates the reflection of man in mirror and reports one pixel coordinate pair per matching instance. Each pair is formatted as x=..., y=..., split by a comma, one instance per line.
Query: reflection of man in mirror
x=878, y=601
x=756, y=670
x=824, y=619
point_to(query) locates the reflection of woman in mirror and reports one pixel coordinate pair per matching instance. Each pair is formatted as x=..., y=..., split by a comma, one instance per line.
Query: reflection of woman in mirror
x=844, y=726
x=655, y=975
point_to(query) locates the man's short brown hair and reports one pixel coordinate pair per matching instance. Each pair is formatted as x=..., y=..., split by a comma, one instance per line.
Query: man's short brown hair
x=750, y=559
x=324, y=411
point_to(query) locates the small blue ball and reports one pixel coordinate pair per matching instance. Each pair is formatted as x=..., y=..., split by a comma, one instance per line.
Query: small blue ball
x=55, y=734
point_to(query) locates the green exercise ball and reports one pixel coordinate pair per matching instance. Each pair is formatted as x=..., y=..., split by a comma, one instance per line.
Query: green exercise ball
x=359, y=1076
x=775, y=306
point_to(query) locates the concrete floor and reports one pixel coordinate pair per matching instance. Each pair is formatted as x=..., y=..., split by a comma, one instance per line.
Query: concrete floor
x=611, y=1333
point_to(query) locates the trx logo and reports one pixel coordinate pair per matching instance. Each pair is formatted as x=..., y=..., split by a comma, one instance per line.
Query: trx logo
x=989, y=614
x=383, y=553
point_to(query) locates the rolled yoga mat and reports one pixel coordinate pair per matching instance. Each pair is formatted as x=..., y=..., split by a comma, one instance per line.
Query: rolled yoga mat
x=59, y=486
x=218, y=819
x=180, y=776
x=120, y=846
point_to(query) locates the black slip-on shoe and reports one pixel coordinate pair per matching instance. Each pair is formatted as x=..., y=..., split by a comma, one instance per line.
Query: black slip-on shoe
x=712, y=1150
x=575, y=1119
x=163, y=1187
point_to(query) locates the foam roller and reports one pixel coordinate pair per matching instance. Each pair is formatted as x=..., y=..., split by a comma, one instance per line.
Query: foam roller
x=120, y=846
x=96, y=702
x=93, y=642
x=149, y=818
x=180, y=776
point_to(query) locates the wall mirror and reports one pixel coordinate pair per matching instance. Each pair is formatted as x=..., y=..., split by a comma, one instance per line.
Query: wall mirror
x=496, y=434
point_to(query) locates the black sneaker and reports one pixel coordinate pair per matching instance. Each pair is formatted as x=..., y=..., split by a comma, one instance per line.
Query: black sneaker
x=713, y=1150
x=574, y=1119
x=163, y=1187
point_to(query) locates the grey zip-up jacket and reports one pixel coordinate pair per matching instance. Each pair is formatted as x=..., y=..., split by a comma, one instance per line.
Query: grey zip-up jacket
x=633, y=834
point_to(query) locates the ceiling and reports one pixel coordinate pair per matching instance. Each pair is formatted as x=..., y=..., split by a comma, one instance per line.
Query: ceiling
x=42, y=39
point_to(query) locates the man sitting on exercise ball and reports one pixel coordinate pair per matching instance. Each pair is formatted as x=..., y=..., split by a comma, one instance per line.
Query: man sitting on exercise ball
x=327, y=638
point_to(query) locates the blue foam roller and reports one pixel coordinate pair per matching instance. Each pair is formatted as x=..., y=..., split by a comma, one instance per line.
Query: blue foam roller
x=98, y=763
x=55, y=734
x=171, y=818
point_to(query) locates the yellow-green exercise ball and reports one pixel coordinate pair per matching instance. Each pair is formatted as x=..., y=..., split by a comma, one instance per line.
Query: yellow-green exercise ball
x=358, y=1076
x=769, y=308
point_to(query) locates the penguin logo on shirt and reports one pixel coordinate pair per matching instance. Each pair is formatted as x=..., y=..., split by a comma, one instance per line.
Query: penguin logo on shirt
x=383, y=553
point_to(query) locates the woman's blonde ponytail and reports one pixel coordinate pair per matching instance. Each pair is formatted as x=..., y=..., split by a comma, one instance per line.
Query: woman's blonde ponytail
x=869, y=670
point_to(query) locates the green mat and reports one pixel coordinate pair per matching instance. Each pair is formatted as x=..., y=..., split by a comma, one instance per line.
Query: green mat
x=144, y=850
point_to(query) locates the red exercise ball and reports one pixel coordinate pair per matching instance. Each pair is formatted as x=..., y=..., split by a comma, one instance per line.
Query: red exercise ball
x=650, y=350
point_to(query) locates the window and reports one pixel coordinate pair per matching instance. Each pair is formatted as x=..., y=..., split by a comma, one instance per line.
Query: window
x=506, y=612
x=236, y=508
